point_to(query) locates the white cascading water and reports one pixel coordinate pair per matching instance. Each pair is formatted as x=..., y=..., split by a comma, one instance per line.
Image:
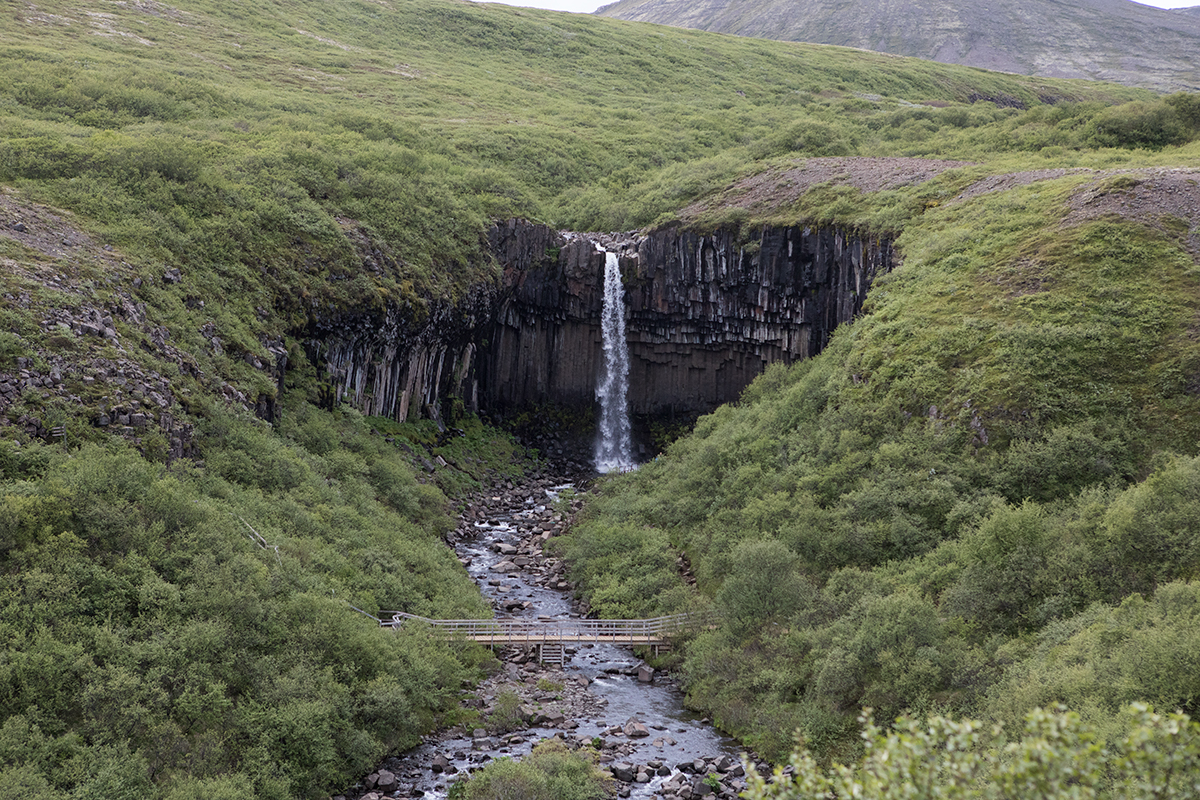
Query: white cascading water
x=614, y=442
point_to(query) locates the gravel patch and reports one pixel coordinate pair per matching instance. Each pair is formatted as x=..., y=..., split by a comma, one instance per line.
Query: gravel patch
x=775, y=189
x=1163, y=198
x=1011, y=180
x=1151, y=196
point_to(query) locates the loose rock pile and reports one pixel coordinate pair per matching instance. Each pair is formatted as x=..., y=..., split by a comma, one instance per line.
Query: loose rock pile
x=83, y=363
x=702, y=777
x=535, y=523
x=87, y=361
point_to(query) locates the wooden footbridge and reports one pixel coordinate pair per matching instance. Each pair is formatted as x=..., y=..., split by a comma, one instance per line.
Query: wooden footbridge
x=551, y=636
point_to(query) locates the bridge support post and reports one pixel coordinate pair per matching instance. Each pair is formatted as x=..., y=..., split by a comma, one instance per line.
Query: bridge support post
x=552, y=653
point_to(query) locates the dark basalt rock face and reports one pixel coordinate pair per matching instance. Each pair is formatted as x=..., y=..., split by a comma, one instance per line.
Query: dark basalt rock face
x=403, y=362
x=708, y=314
x=705, y=314
x=544, y=345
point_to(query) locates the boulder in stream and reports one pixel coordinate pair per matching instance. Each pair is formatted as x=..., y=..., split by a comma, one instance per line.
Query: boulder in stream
x=634, y=729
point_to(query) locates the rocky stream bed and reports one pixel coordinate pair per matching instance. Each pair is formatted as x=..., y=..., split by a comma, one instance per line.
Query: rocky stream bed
x=602, y=696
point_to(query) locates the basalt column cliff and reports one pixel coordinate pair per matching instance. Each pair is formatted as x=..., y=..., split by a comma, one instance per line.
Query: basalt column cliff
x=706, y=312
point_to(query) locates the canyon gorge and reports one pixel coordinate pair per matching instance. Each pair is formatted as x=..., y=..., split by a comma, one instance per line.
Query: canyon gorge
x=705, y=313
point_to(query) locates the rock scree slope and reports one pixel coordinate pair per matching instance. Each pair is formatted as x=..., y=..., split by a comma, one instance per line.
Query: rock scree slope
x=1112, y=40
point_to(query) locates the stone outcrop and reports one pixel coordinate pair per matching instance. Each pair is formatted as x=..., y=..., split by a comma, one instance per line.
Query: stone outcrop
x=708, y=313
x=403, y=362
x=124, y=397
x=544, y=345
x=705, y=314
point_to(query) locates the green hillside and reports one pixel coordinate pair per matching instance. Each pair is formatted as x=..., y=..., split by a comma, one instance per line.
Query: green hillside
x=190, y=192
x=420, y=123
x=971, y=502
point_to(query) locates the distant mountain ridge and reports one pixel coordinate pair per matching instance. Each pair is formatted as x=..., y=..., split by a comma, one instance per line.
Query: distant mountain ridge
x=1112, y=40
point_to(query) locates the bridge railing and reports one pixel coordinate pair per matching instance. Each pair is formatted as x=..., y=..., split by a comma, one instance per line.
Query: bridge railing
x=657, y=628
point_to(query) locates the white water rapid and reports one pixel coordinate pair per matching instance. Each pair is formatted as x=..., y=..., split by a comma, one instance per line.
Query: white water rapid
x=614, y=443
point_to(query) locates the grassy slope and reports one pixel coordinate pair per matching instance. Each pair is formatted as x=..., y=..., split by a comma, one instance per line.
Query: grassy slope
x=185, y=632
x=257, y=151
x=954, y=495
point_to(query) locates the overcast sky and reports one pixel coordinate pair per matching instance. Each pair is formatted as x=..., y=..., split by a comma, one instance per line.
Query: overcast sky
x=588, y=6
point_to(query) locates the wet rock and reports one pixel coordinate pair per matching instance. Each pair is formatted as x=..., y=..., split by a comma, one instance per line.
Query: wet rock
x=623, y=771
x=635, y=730
x=729, y=766
x=571, y=702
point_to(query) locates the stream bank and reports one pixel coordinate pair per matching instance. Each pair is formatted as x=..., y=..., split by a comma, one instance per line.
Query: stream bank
x=603, y=697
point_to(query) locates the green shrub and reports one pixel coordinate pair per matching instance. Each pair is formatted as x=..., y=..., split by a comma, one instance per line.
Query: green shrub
x=1154, y=528
x=1107, y=657
x=222, y=788
x=206, y=620
x=506, y=712
x=12, y=347
x=763, y=585
x=1145, y=124
x=1011, y=564
x=24, y=783
x=1056, y=756
x=549, y=772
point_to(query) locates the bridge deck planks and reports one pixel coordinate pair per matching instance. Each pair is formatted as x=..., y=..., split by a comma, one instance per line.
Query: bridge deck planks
x=657, y=631
x=535, y=638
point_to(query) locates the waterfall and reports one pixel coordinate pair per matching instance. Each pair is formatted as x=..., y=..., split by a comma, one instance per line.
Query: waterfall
x=614, y=448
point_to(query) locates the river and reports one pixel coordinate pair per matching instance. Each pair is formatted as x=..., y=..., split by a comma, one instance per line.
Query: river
x=596, y=696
